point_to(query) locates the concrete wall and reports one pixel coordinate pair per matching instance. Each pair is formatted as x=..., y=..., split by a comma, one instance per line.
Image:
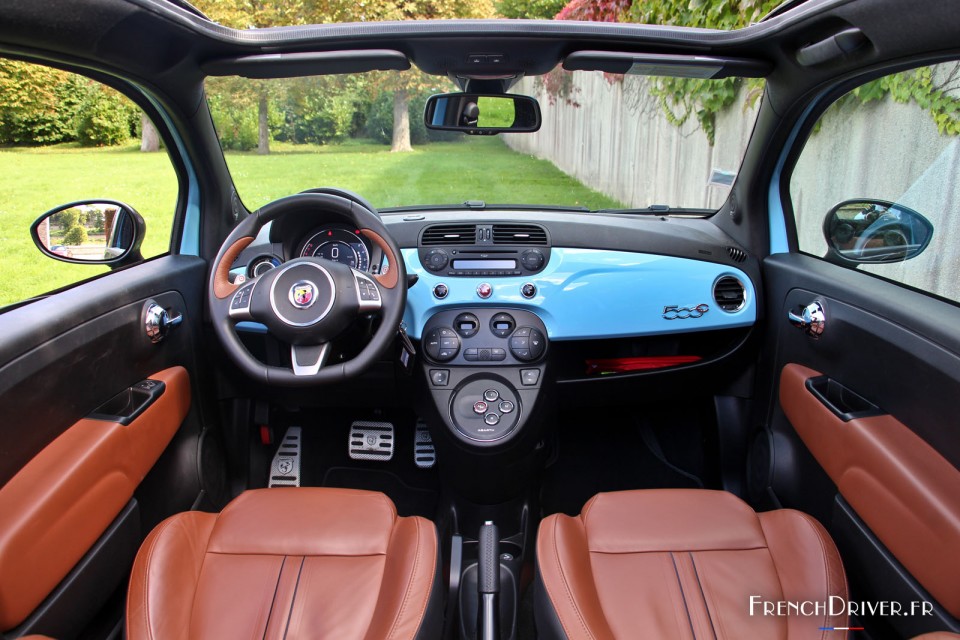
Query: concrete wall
x=620, y=143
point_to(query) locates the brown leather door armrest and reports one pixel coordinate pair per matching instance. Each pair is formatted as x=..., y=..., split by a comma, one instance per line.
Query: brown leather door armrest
x=898, y=484
x=56, y=507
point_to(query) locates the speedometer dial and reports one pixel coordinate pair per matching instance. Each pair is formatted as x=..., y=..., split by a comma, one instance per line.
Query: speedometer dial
x=338, y=245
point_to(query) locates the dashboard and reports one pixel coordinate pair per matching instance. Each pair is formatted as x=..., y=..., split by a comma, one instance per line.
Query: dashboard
x=615, y=288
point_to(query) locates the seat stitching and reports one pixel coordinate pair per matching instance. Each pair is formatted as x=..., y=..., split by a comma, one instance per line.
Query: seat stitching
x=776, y=570
x=566, y=585
x=706, y=603
x=276, y=588
x=686, y=608
x=296, y=587
x=826, y=568
x=406, y=594
x=146, y=575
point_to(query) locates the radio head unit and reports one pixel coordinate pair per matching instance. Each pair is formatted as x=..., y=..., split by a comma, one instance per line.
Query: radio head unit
x=484, y=250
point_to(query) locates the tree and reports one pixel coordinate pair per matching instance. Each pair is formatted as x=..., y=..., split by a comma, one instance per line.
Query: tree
x=530, y=9
x=149, y=138
x=75, y=235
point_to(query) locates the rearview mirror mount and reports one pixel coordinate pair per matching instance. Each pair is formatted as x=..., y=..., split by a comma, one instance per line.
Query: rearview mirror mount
x=482, y=114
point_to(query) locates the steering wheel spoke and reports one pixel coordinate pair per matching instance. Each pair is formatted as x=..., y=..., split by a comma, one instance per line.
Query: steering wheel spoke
x=308, y=359
x=369, y=297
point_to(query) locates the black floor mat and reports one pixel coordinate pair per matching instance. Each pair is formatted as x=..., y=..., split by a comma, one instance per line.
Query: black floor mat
x=326, y=463
x=607, y=452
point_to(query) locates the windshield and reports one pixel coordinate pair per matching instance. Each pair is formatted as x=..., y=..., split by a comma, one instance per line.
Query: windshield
x=607, y=141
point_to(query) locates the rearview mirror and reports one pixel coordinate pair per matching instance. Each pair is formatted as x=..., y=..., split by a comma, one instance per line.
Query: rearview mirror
x=874, y=232
x=481, y=114
x=90, y=232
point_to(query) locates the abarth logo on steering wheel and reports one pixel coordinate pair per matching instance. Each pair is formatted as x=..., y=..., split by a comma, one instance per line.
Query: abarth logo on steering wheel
x=303, y=294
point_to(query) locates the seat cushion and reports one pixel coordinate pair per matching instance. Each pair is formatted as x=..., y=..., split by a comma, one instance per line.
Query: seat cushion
x=287, y=563
x=684, y=564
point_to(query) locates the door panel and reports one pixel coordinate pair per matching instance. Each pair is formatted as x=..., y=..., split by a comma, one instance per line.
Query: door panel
x=66, y=478
x=63, y=500
x=894, y=470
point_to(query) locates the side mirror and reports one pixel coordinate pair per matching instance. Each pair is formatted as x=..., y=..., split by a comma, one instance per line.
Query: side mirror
x=91, y=232
x=482, y=114
x=874, y=232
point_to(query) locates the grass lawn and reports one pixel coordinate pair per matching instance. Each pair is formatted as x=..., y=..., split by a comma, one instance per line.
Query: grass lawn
x=35, y=180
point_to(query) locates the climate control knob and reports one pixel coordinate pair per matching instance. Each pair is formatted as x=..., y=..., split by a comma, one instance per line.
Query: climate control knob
x=528, y=344
x=441, y=345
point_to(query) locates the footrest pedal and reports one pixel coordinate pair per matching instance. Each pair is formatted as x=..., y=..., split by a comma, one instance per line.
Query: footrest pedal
x=424, y=453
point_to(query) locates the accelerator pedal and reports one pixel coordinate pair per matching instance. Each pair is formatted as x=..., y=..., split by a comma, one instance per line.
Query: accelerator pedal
x=371, y=441
x=424, y=454
x=285, y=468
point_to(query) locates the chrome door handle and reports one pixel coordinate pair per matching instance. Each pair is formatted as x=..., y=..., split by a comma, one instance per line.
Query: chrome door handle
x=158, y=321
x=810, y=319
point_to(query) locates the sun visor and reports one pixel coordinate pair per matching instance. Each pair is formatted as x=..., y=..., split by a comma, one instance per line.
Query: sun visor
x=656, y=64
x=294, y=65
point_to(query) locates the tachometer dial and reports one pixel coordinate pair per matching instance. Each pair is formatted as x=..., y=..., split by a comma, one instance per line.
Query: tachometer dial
x=338, y=245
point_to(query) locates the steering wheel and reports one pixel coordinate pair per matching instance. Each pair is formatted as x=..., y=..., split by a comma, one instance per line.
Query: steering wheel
x=307, y=302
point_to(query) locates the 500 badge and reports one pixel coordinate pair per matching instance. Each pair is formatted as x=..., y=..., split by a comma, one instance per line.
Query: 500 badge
x=674, y=312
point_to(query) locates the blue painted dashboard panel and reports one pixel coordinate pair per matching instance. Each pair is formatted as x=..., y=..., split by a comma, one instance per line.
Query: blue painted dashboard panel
x=591, y=293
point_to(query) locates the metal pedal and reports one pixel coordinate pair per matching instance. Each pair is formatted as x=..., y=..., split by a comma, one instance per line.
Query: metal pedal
x=424, y=454
x=370, y=441
x=285, y=468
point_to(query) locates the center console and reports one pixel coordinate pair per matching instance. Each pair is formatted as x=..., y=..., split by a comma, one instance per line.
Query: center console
x=484, y=370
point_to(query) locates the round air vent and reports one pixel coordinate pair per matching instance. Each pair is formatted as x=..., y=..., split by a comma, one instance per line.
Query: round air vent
x=729, y=294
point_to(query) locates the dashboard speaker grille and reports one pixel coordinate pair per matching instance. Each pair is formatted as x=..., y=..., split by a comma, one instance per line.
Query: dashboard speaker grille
x=729, y=294
x=519, y=234
x=736, y=254
x=448, y=234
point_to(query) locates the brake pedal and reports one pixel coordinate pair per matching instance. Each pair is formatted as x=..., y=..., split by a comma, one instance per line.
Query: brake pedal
x=371, y=441
x=424, y=454
x=285, y=469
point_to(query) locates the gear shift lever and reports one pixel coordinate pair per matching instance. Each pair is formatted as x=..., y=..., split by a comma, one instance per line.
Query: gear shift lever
x=488, y=582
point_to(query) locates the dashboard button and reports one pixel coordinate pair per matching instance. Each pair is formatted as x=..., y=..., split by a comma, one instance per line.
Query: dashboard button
x=529, y=377
x=491, y=419
x=440, y=291
x=449, y=343
x=521, y=354
x=491, y=395
x=498, y=354
x=538, y=344
x=480, y=407
x=519, y=342
x=521, y=332
x=470, y=354
x=440, y=377
x=484, y=290
x=506, y=406
x=528, y=290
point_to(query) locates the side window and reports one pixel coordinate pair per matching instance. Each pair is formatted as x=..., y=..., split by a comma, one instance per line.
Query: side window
x=65, y=138
x=876, y=185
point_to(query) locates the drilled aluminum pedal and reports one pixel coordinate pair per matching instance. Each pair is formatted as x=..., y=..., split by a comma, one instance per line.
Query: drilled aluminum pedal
x=371, y=441
x=285, y=468
x=424, y=454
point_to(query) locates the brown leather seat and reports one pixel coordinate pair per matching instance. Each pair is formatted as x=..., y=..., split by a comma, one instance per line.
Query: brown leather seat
x=288, y=563
x=683, y=564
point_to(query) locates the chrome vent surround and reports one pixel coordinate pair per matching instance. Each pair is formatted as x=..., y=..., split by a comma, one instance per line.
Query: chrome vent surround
x=736, y=254
x=448, y=235
x=729, y=294
x=519, y=234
